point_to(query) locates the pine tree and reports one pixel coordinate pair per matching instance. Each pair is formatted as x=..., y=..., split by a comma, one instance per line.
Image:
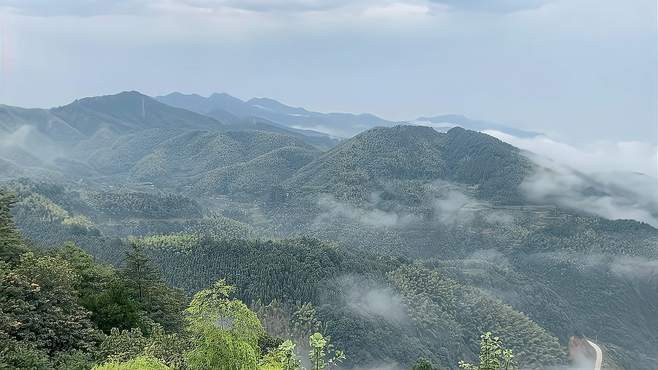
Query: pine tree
x=11, y=243
x=140, y=273
x=162, y=303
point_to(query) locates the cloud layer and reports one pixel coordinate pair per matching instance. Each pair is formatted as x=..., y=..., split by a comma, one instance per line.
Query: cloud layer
x=612, y=196
x=86, y=8
x=372, y=300
x=614, y=180
x=600, y=156
x=502, y=6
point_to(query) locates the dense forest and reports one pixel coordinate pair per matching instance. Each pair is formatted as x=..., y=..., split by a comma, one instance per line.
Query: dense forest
x=62, y=310
x=160, y=238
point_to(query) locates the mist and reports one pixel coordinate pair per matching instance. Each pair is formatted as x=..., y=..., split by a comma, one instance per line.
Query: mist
x=623, y=267
x=27, y=147
x=449, y=206
x=609, y=195
x=372, y=300
x=601, y=156
x=16, y=138
x=369, y=214
x=634, y=268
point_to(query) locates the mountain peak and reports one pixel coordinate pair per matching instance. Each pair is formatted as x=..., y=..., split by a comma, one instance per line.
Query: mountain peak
x=123, y=96
x=129, y=111
x=400, y=133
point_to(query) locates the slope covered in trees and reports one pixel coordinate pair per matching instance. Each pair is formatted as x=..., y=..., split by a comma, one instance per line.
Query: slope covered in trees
x=398, y=244
x=61, y=310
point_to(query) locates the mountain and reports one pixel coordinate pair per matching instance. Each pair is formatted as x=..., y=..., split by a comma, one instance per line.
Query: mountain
x=378, y=156
x=92, y=123
x=332, y=124
x=403, y=241
x=258, y=175
x=193, y=155
x=226, y=107
x=129, y=111
x=243, y=115
x=132, y=136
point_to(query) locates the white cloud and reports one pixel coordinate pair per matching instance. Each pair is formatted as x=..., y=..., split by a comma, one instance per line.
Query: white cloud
x=451, y=208
x=498, y=6
x=268, y=5
x=86, y=8
x=623, y=267
x=611, y=180
x=17, y=138
x=372, y=300
x=602, y=156
x=568, y=189
x=370, y=215
x=80, y=8
x=397, y=11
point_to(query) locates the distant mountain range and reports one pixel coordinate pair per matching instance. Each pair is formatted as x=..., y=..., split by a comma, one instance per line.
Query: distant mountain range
x=211, y=146
x=522, y=238
x=227, y=108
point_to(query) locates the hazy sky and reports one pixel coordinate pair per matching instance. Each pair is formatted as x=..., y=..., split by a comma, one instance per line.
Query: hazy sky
x=579, y=70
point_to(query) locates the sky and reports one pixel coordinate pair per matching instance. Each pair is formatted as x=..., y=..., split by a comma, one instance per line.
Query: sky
x=581, y=71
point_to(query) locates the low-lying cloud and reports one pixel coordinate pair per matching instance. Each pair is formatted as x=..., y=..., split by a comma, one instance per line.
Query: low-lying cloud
x=372, y=300
x=16, y=138
x=29, y=146
x=333, y=209
x=450, y=208
x=610, y=180
x=623, y=267
x=602, y=156
x=446, y=203
x=634, y=268
x=609, y=195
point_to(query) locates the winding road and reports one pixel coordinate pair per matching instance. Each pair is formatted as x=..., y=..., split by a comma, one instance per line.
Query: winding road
x=599, y=354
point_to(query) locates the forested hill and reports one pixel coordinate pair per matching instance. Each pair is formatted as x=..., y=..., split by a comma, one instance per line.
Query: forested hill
x=369, y=161
x=400, y=243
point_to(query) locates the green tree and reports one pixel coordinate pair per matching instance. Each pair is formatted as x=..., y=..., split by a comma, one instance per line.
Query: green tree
x=102, y=291
x=126, y=345
x=38, y=302
x=140, y=272
x=424, y=364
x=162, y=304
x=281, y=358
x=139, y=363
x=493, y=356
x=16, y=354
x=122, y=345
x=11, y=242
x=225, y=331
x=318, y=354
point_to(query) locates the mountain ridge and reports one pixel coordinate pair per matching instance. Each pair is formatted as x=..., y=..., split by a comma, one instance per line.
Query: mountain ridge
x=332, y=123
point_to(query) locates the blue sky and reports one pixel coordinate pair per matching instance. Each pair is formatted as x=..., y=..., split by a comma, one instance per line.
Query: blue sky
x=580, y=70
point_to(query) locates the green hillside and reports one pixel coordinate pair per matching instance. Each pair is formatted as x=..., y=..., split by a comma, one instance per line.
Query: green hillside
x=129, y=111
x=375, y=157
x=400, y=243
